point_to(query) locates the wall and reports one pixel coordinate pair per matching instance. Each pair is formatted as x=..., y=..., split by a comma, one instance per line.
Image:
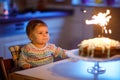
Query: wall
x=75, y=30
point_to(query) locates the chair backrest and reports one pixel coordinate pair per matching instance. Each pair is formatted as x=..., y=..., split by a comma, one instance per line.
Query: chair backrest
x=6, y=67
x=15, y=52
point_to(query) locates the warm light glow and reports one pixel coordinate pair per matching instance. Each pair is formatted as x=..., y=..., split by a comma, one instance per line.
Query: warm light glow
x=106, y=31
x=101, y=19
x=84, y=11
x=110, y=31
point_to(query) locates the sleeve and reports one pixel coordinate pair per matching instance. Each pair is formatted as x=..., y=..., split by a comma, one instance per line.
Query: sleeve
x=23, y=58
x=60, y=52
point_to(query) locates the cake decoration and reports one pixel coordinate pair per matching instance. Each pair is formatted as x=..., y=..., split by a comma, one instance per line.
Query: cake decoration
x=99, y=46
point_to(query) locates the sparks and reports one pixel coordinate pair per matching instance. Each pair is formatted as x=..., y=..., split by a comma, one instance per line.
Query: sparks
x=101, y=19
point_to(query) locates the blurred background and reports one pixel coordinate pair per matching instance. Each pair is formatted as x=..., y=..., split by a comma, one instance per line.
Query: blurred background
x=65, y=20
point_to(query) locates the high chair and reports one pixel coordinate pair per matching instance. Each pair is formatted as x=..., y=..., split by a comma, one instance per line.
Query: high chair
x=10, y=65
x=15, y=52
x=6, y=67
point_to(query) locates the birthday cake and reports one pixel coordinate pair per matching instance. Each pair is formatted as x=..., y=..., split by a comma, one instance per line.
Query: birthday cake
x=99, y=47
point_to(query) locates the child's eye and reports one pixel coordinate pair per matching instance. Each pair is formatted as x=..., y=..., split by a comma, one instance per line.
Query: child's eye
x=43, y=33
x=40, y=33
x=46, y=32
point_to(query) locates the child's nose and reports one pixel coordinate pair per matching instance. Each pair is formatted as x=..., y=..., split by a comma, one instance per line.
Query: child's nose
x=44, y=34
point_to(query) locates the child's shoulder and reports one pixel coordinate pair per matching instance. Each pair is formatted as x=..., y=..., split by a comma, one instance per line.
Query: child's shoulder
x=26, y=46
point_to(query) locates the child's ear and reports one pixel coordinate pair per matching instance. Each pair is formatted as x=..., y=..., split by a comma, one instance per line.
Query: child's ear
x=30, y=37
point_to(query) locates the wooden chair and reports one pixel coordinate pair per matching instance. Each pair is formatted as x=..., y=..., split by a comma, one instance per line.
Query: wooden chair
x=15, y=52
x=6, y=66
x=10, y=65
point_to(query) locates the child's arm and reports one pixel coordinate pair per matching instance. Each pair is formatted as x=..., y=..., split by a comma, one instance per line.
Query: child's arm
x=60, y=52
x=22, y=62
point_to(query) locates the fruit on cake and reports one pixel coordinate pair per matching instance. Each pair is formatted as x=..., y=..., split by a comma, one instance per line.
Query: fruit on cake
x=99, y=47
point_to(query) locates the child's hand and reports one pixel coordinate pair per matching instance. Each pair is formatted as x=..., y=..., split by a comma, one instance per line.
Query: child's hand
x=26, y=66
x=57, y=52
x=63, y=54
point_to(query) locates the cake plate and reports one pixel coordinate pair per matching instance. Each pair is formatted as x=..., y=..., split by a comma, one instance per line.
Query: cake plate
x=96, y=69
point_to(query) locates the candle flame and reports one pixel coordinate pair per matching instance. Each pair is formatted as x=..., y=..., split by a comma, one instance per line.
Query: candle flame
x=106, y=31
x=110, y=31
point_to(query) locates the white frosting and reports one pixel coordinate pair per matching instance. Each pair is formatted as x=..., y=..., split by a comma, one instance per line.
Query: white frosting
x=102, y=42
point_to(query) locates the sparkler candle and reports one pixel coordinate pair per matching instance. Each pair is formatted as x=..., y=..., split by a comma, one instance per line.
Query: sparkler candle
x=100, y=19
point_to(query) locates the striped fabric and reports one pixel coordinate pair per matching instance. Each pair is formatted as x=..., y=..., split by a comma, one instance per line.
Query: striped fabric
x=39, y=56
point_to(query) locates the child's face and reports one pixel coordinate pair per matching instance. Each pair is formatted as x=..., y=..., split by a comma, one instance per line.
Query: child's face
x=40, y=35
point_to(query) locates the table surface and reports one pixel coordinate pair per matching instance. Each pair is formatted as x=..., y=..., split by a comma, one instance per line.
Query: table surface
x=68, y=69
